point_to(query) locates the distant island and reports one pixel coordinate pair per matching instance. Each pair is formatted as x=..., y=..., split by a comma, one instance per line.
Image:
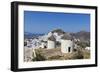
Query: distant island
x=28, y=35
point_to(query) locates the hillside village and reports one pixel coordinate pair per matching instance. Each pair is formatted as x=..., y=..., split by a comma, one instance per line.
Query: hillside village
x=57, y=45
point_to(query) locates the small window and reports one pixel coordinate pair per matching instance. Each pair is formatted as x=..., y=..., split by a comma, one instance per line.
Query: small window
x=45, y=47
x=69, y=49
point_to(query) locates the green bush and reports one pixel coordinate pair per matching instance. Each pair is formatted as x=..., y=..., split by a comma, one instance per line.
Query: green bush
x=77, y=55
x=83, y=44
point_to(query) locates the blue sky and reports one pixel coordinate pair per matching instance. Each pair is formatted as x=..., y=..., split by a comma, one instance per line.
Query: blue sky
x=44, y=22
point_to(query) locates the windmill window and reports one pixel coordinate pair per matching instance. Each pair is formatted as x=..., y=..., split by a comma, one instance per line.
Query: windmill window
x=69, y=49
x=45, y=47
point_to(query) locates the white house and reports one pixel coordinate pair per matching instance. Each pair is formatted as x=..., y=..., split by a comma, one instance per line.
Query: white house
x=87, y=48
x=35, y=43
x=43, y=44
x=51, y=43
x=49, y=34
x=67, y=43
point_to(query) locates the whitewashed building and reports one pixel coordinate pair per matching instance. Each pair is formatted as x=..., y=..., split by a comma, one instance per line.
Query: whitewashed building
x=87, y=48
x=49, y=34
x=67, y=43
x=43, y=44
x=51, y=43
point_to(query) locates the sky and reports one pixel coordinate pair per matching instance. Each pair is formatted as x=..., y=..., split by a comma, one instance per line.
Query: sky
x=44, y=22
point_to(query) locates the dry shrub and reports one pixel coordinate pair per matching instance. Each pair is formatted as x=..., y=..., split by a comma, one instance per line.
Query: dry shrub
x=39, y=56
x=56, y=57
x=77, y=55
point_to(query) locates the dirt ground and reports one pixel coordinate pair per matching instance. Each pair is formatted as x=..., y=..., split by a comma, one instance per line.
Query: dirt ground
x=56, y=54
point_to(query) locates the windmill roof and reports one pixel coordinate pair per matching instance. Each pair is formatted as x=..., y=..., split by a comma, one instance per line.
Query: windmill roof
x=52, y=38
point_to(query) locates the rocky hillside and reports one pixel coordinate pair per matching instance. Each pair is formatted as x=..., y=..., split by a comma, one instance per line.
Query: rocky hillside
x=83, y=36
x=59, y=31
